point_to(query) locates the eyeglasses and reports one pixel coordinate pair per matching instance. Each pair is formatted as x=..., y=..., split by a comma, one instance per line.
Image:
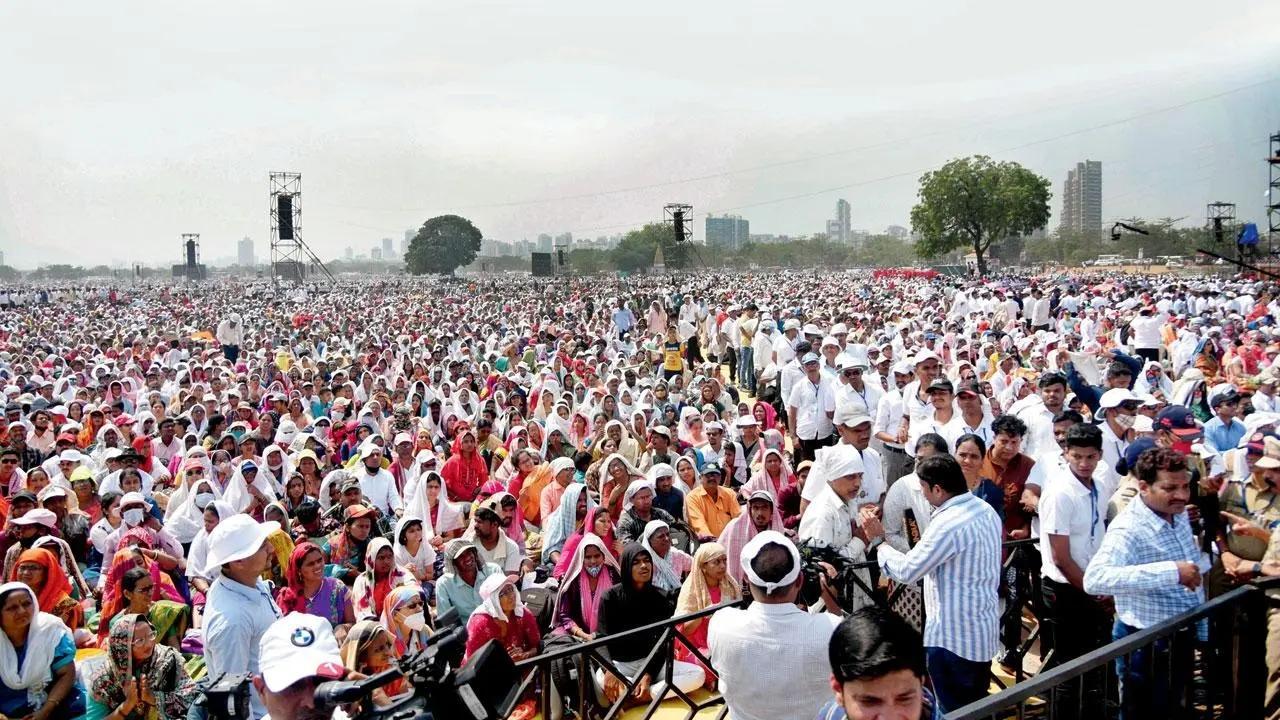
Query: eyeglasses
x=147, y=589
x=8, y=461
x=147, y=637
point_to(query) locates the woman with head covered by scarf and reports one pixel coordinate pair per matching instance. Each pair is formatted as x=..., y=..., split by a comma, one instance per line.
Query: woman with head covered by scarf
x=710, y=583
x=39, y=570
x=670, y=564
x=592, y=571
x=575, y=507
x=502, y=616
x=141, y=679
x=43, y=684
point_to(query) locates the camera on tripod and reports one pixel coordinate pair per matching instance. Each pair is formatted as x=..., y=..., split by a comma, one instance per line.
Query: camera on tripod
x=482, y=689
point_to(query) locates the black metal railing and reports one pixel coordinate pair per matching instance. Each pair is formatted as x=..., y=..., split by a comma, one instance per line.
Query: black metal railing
x=579, y=662
x=1204, y=663
x=582, y=659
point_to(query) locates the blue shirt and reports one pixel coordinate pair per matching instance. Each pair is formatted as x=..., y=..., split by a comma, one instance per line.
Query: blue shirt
x=13, y=703
x=1221, y=436
x=959, y=558
x=451, y=591
x=1137, y=564
x=235, y=618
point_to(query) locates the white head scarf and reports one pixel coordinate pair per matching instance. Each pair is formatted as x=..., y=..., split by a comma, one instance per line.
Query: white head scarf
x=665, y=576
x=43, y=636
x=490, y=604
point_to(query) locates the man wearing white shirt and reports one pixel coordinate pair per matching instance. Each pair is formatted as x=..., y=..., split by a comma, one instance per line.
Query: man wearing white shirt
x=971, y=419
x=853, y=390
x=795, y=681
x=811, y=406
x=889, y=413
x=1073, y=510
x=1039, y=314
x=1147, y=339
x=1118, y=408
x=853, y=426
x=1038, y=413
x=784, y=345
x=376, y=484
x=1264, y=400
x=941, y=394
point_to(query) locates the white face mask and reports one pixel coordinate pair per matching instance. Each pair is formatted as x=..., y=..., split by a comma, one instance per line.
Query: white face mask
x=594, y=571
x=133, y=517
x=416, y=622
x=1125, y=421
x=203, y=500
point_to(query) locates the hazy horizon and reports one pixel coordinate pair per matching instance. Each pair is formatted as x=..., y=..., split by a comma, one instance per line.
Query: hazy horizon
x=129, y=124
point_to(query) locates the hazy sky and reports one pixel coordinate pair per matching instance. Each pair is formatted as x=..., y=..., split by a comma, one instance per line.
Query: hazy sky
x=125, y=124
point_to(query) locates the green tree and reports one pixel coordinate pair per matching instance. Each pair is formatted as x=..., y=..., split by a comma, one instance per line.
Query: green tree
x=8, y=274
x=443, y=244
x=971, y=202
x=635, y=252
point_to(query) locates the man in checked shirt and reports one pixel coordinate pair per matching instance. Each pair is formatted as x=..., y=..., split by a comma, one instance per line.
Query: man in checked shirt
x=1150, y=563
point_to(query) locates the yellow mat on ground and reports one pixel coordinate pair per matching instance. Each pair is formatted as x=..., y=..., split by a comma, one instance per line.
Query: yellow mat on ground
x=674, y=709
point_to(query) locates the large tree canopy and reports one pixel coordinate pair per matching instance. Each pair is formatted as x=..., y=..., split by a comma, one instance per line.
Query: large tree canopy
x=443, y=244
x=975, y=201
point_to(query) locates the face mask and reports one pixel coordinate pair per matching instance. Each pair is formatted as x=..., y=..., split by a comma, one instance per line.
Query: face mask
x=203, y=500
x=1125, y=421
x=373, y=470
x=594, y=571
x=133, y=517
x=1182, y=447
x=416, y=621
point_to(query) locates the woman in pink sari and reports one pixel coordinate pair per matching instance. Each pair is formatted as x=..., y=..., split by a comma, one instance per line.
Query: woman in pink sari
x=591, y=571
x=709, y=584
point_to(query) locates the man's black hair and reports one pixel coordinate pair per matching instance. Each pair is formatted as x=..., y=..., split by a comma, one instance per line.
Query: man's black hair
x=1068, y=416
x=942, y=471
x=1052, y=378
x=872, y=643
x=1084, y=435
x=1009, y=425
x=771, y=564
x=933, y=440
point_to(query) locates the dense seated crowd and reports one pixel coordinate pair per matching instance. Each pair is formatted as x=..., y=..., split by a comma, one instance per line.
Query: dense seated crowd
x=183, y=468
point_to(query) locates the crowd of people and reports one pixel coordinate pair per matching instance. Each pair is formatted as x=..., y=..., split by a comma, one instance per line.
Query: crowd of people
x=218, y=478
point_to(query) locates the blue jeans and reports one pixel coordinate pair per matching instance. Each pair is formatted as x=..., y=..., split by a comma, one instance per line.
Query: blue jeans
x=956, y=681
x=747, y=369
x=1154, y=679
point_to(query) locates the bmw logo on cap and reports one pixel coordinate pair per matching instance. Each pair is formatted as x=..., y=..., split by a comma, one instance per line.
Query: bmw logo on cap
x=302, y=637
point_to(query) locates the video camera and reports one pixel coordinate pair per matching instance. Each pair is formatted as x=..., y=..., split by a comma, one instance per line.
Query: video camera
x=812, y=555
x=482, y=689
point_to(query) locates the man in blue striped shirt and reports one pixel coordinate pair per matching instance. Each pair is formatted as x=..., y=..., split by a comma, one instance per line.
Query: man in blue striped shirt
x=1150, y=563
x=959, y=558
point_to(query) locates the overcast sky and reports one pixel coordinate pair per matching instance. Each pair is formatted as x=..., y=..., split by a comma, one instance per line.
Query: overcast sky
x=125, y=124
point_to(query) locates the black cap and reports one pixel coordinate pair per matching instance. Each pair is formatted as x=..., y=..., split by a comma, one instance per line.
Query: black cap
x=712, y=468
x=940, y=384
x=25, y=495
x=966, y=386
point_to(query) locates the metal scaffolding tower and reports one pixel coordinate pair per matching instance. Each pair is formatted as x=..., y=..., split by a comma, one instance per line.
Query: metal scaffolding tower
x=290, y=256
x=1273, y=197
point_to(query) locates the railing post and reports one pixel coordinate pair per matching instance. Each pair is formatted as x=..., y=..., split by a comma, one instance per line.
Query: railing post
x=1250, y=649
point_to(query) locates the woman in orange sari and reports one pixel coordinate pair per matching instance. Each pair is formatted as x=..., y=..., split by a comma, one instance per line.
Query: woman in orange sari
x=39, y=570
x=167, y=602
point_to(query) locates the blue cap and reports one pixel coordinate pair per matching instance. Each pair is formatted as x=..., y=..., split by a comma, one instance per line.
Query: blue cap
x=1130, y=459
x=808, y=358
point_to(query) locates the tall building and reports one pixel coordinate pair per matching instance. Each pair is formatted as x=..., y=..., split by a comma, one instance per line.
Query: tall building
x=843, y=226
x=349, y=254
x=835, y=233
x=244, y=253
x=1082, y=200
x=564, y=240
x=727, y=232
x=544, y=243
x=409, y=235
x=388, y=248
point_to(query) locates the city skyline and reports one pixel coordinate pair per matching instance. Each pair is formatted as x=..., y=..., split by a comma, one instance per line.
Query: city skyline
x=117, y=151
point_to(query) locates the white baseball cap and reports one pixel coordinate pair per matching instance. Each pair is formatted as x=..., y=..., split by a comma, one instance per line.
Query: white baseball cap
x=298, y=646
x=236, y=538
x=1115, y=397
x=37, y=516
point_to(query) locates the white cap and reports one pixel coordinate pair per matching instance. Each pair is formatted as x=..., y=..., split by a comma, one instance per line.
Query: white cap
x=36, y=516
x=1114, y=397
x=745, y=421
x=403, y=437
x=839, y=329
x=70, y=455
x=236, y=538
x=924, y=356
x=133, y=498
x=851, y=415
x=830, y=340
x=298, y=646
x=753, y=548
x=811, y=329
x=840, y=460
x=51, y=490
x=1143, y=424
x=904, y=367
x=790, y=324
x=369, y=449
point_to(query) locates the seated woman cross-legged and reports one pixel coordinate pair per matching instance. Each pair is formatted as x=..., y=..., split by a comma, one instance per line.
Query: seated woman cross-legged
x=630, y=604
x=142, y=679
x=37, y=660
